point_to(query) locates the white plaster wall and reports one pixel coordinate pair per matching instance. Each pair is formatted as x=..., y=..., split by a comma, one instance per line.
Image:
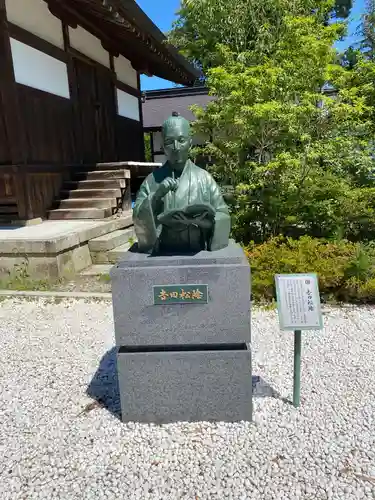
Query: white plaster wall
x=38, y=70
x=128, y=105
x=125, y=72
x=34, y=16
x=158, y=141
x=89, y=45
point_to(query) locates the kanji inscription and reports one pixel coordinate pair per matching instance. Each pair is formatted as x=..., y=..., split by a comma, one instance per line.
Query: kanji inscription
x=298, y=302
x=180, y=294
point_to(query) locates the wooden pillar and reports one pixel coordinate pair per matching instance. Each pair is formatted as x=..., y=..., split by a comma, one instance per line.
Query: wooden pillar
x=141, y=117
x=73, y=88
x=114, y=82
x=14, y=126
x=8, y=95
x=152, y=146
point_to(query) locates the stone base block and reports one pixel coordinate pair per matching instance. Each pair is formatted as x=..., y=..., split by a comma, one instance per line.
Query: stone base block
x=168, y=385
x=225, y=318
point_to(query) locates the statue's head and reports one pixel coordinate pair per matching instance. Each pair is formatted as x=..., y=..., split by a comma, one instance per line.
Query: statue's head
x=176, y=140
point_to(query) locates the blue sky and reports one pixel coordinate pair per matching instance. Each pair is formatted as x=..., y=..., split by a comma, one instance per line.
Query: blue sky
x=164, y=15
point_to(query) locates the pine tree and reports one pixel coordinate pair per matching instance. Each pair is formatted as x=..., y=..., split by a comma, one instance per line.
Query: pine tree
x=367, y=31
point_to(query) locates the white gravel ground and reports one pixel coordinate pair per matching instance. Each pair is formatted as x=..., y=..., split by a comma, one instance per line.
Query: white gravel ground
x=324, y=450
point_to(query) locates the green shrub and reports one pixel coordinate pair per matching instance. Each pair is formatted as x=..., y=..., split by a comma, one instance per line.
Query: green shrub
x=346, y=270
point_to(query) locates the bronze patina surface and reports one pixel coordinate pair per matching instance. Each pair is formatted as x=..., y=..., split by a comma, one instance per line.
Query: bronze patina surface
x=179, y=207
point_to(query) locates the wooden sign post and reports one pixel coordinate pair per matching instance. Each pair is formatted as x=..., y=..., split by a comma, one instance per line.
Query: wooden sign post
x=298, y=304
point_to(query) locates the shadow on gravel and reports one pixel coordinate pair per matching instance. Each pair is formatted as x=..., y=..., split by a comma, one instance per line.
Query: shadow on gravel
x=105, y=390
x=104, y=385
x=261, y=389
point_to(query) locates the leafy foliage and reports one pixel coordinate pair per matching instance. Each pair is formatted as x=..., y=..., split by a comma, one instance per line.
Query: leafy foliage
x=300, y=161
x=147, y=143
x=346, y=270
x=342, y=8
x=367, y=31
x=365, y=48
x=240, y=25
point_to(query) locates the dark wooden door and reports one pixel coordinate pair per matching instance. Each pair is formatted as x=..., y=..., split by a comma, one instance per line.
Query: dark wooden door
x=96, y=112
x=106, y=119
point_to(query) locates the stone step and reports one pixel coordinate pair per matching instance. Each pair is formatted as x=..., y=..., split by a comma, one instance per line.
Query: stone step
x=91, y=193
x=111, y=240
x=87, y=203
x=98, y=184
x=117, y=254
x=79, y=213
x=134, y=168
x=97, y=270
x=103, y=174
x=129, y=165
x=110, y=256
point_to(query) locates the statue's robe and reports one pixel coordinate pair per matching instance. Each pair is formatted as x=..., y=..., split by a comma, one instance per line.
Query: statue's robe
x=196, y=187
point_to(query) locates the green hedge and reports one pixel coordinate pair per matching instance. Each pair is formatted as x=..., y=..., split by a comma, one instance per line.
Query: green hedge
x=346, y=270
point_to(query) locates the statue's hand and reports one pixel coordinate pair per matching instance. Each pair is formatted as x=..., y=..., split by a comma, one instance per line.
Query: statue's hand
x=166, y=186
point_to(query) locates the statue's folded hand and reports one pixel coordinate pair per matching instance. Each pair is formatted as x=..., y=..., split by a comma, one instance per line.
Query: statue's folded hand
x=165, y=187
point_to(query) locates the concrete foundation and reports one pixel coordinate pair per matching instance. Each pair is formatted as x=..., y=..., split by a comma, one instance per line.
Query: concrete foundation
x=47, y=266
x=52, y=249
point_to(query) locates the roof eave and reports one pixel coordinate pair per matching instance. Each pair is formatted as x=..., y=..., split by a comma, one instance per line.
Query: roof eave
x=141, y=19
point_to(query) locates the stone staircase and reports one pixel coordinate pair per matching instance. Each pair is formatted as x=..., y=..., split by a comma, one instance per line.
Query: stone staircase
x=94, y=194
x=111, y=247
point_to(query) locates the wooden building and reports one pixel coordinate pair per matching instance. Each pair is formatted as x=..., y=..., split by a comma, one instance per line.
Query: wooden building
x=70, y=96
x=158, y=105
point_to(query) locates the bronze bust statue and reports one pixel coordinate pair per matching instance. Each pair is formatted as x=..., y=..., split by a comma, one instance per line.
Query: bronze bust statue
x=179, y=207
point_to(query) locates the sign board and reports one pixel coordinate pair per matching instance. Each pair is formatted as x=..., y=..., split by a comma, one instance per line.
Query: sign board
x=180, y=294
x=298, y=302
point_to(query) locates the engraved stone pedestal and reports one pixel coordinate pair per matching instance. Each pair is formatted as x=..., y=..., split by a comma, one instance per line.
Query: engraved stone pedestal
x=182, y=326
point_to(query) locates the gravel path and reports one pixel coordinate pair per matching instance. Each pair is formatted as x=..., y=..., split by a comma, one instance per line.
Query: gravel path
x=54, y=443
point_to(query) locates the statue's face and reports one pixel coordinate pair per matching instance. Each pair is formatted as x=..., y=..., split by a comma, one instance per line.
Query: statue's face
x=177, y=143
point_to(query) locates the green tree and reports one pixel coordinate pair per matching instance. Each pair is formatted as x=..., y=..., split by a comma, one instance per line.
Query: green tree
x=360, y=61
x=366, y=44
x=294, y=156
x=342, y=8
x=349, y=58
x=367, y=31
x=147, y=142
x=241, y=25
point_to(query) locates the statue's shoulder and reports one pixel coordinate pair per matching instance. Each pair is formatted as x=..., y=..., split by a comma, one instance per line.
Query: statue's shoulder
x=200, y=172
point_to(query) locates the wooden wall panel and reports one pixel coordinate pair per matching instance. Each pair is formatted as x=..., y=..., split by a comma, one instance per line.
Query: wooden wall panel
x=42, y=190
x=107, y=116
x=131, y=148
x=28, y=192
x=86, y=118
x=48, y=126
x=8, y=201
x=96, y=106
x=5, y=152
x=7, y=190
x=129, y=140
